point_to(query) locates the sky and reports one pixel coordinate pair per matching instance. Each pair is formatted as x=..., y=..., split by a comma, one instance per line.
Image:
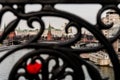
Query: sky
x=88, y=12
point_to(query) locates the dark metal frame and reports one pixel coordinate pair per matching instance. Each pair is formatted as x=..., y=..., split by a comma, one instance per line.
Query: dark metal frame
x=60, y=50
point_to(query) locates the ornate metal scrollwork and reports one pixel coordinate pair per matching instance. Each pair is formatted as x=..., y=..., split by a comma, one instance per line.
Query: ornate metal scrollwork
x=50, y=70
x=33, y=66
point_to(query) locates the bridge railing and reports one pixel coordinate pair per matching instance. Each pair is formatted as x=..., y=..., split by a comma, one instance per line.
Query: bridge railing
x=33, y=66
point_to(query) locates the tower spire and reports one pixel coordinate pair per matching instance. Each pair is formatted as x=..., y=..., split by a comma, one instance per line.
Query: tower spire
x=49, y=34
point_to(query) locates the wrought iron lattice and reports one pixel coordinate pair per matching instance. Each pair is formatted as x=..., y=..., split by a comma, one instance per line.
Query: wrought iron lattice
x=60, y=51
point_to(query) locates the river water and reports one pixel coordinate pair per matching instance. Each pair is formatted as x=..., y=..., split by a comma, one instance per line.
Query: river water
x=7, y=64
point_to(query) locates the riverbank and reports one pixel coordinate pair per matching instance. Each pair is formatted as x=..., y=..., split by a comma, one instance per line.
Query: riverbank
x=106, y=72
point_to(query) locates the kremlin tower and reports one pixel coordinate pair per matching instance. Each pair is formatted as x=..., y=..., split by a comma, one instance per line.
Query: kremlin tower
x=49, y=34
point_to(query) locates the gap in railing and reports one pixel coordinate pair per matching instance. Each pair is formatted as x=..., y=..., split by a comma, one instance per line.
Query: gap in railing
x=86, y=11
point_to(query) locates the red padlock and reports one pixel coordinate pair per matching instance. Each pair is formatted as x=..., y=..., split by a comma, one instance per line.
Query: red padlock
x=34, y=68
